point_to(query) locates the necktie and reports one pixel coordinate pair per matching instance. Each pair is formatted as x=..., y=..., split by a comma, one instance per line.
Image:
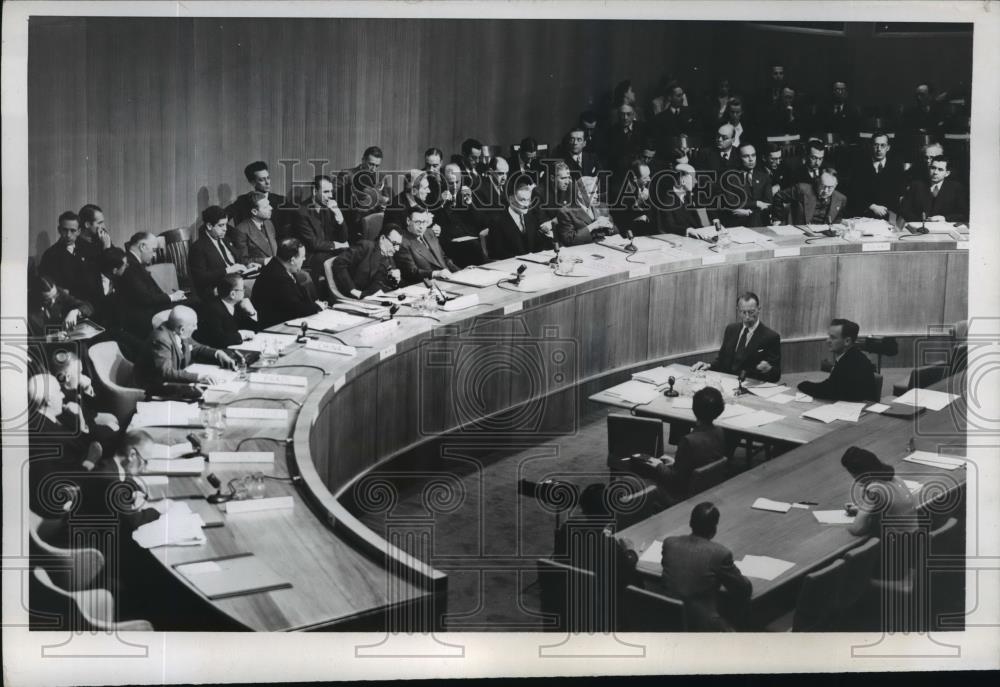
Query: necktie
x=742, y=343
x=520, y=222
x=225, y=252
x=878, y=168
x=934, y=189
x=746, y=178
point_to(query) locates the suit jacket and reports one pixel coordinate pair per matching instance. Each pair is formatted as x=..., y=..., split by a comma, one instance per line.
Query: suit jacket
x=363, y=267
x=506, y=239
x=207, y=265
x=764, y=345
x=917, y=120
x=318, y=229
x=623, y=147
x=668, y=125
x=867, y=188
x=53, y=449
x=588, y=166
x=71, y=271
x=694, y=569
x=40, y=319
x=219, y=329
x=952, y=201
x=571, y=224
x=488, y=195
x=278, y=296
x=737, y=193
x=799, y=173
x=845, y=123
x=627, y=207
x=801, y=201
x=165, y=359
x=702, y=446
x=250, y=244
x=417, y=261
x=851, y=379
x=399, y=209
x=710, y=160
x=140, y=297
x=239, y=210
x=676, y=218
x=551, y=202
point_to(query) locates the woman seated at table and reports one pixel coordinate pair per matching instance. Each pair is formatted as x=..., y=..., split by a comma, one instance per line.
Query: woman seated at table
x=881, y=500
x=705, y=444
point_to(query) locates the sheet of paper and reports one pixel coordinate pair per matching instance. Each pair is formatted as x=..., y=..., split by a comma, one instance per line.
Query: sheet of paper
x=781, y=399
x=927, y=398
x=767, y=504
x=199, y=568
x=653, y=555
x=259, y=340
x=176, y=466
x=178, y=526
x=166, y=414
x=683, y=402
x=824, y=413
x=733, y=410
x=848, y=411
x=913, y=485
x=756, y=418
x=935, y=460
x=766, y=390
x=154, y=480
x=786, y=230
x=803, y=398
x=877, y=408
x=656, y=376
x=745, y=235
x=763, y=567
x=833, y=517
x=330, y=321
x=217, y=373
x=473, y=276
x=633, y=392
x=164, y=452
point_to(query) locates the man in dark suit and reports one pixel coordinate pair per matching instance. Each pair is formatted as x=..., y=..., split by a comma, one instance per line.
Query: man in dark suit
x=748, y=346
x=362, y=190
x=525, y=162
x=259, y=175
x=876, y=183
x=853, y=375
x=770, y=96
x=925, y=116
x=940, y=200
x=630, y=206
x=139, y=296
x=420, y=256
x=228, y=318
x=745, y=198
x=815, y=203
x=416, y=193
x=69, y=263
x=170, y=349
x=694, y=570
x=806, y=170
x=676, y=120
x=679, y=211
x=583, y=221
x=470, y=162
x=735, y=117
x=625, y=139
x=458, y=218
x=52, y=308
x=555, y=194
x=277, y=294
x=212, y=256
x=80, y=409
x=786, y=117
x=781, y=174
x=255, y=240
x=320, y=226
x=722, y=156
x=93, y=229
x=492, y=191
x=581, y=162
x=368, y=267
x=839, y=116
x=514, y=230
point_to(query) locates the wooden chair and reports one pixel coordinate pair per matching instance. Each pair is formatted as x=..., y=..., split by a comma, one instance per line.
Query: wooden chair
x=71, y=569
x=115, y=380
x=160, y=317
x=628, y=435
x=328, y=271
x=574, y=596
x=817, y=603
x=372, y=226
x=483, y=236
x=165, y=275
x=89, y=609
x=707, y=476
x=176, y=245
x=875, y=393
x=647, y=611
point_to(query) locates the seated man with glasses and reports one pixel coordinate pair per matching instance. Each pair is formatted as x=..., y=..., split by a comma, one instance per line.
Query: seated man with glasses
x=369, y=267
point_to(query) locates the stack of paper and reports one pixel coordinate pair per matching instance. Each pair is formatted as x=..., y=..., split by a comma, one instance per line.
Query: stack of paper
x=330, y=321
x=803, y=398
x=763, y=567
x=704, y=233
x=767, y=504
x=932, y=227
x=220, y=375
x=935, y=460
x=755, y=418
x=633, y=392
x=166, y=414
x=732, y=410
x=874, y=227
x=164, y=452
x=745, y=235
x=653, y=555
x=656, y=376
x=475, y=276
x=258, y=342
x=767, y=390
x=541, y=258
x=786, y=230
x=926, y=398
x=175, y=466
x=833, y=517
x=841, y=410
x=781, y=399
x=877, y=408
x=178, y=526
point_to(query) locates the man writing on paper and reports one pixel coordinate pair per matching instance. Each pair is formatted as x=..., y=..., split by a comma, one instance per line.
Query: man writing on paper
x=853, y=375
x=816, y=203
x=368, y=267
x=229, y=318
x=277, y=293
x=170, y=349
x=694, y=570
x=748, y=346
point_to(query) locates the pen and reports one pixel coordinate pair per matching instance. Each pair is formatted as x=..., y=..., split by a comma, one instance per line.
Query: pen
x=807, y=503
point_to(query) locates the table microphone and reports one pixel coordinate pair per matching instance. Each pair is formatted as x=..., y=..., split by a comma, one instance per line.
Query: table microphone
x=554, y=260
x=740, y=390
x=302, y=338
x=631, y=241
x=218, y=496
x=671, y=392
x=517, y=277
x=441, y=298
x=393, y=310
x=196, y=444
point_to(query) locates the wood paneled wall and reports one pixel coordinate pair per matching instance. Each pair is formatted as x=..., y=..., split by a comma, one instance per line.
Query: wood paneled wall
x=155, y=118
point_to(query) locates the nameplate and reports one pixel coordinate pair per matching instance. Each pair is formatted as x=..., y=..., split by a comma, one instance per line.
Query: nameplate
x=387, y=352
x=380, y=330
x=338, y=383
x=787, y=252
x=255, y=505
x=962, y=245
x=713, y=259
x=284, y=380
x=331, y=347
x=257, y=413
x=512, y=308
x=241, y=456
x=469, y=300
x=876, y=246
x=640, y=271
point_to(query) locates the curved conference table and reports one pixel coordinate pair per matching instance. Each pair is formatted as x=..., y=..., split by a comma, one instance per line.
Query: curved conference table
x=521, y=364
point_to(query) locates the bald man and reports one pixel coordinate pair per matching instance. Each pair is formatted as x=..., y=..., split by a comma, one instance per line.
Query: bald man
x=170, y=349
x=723, y=156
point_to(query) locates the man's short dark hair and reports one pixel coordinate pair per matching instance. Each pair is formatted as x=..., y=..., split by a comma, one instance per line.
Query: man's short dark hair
x=88, y=213
x=288, y=249
x=847, y=328
x=705, y=519
x=748, y=296
x=434, y=151
x=389, y=228
x=111, y=259
x=140, y=236
x=747, y=144
x=816, y=144
x=470, y=144
x=250, y=171
x=775, y=148
x=68, y=216
x=227, y=284
x=213, y=214
x=574, y=129
x=942, y=158
x=707, y=404
x=415, y=209
x=878, y=133
x=373, y=151
x=528, y=145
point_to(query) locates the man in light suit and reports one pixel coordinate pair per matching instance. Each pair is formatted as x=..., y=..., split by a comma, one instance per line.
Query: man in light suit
x=170, y=349
x=212, y=256
x=853, y=375
x=259, y=175
x=255, y=238
x=748, y=346
x=368, y=266
x=695, y=568
x=583, y=221
x=816, y=203
x=746, y=193
x=514, y=230
x=940, y=200
x=420, y=255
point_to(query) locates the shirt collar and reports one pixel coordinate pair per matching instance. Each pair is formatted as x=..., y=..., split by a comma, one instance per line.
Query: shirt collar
x=752, y=329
